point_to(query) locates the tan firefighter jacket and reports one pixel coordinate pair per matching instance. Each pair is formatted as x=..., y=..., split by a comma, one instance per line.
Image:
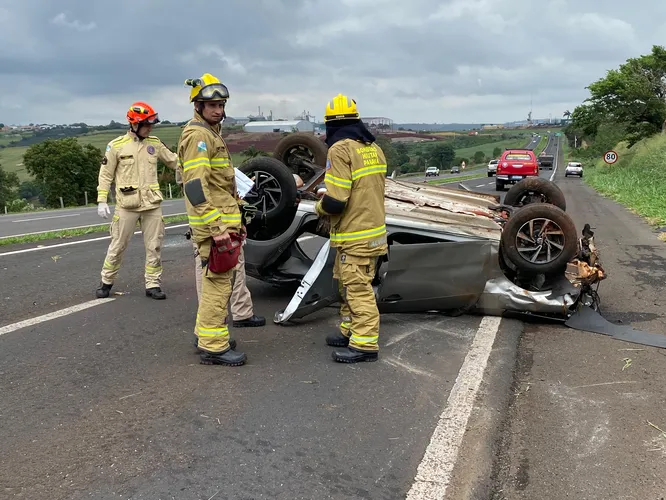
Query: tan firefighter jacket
x=354, y=199
x=131, y=164
x=209, y=181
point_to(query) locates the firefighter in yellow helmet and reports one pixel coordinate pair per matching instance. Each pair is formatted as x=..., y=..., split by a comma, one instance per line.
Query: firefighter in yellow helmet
x=131, y=162
x=213, y=210
x=354, y=202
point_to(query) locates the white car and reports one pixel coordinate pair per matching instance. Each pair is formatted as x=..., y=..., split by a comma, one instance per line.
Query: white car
x=492, y=167
x=573, y=168
x=434, y=171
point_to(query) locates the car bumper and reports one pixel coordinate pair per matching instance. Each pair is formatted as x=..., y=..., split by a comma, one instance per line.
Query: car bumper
x=573, y=172
x=512, y=177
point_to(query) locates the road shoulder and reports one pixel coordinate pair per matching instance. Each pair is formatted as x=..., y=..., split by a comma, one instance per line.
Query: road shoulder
x=585, y=413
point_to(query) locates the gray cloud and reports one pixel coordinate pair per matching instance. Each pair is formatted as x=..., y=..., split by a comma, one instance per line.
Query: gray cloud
x=423, y=60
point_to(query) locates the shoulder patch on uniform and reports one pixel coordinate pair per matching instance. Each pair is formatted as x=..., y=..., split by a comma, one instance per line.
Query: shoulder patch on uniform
x=201, y=146
x=328, y=164
x=108, y=147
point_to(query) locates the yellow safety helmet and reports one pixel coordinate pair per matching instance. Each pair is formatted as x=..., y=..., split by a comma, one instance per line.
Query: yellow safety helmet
x=341, y=107
x=207, y=88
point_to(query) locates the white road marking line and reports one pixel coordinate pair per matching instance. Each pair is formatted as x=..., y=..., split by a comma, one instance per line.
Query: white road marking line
x=15, y=252
x=434, y=472
x=480, y=185
x=45, y=218
x=53, y=315
x=70, y=228
x=490, y=184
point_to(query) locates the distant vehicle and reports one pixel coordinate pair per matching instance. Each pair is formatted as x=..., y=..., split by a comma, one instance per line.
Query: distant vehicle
x=515, y=165
x=432, y=171
x=492, y=167
x=546, y=160
x=455, y=170
x=573, y=168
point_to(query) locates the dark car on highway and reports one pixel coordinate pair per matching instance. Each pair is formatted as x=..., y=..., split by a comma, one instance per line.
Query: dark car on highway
x=455, y=170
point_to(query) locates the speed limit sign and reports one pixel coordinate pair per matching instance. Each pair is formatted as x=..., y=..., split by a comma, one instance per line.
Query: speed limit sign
x=610, y=157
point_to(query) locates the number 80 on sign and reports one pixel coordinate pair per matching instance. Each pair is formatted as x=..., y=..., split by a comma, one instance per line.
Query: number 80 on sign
x=610, y=157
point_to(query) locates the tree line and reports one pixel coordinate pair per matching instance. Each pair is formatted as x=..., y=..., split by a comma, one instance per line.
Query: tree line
x=627, y=104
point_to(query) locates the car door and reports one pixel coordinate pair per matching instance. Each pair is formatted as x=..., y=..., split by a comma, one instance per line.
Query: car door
x=428, y=276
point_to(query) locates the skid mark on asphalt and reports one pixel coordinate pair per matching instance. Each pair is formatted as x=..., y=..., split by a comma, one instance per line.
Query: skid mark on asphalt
x=590, y=429
x=434, y=472
x=56, y=314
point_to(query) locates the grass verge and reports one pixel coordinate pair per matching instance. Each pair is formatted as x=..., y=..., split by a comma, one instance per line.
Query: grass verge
x=70, y=233
x=458, y=179
x=637, y=180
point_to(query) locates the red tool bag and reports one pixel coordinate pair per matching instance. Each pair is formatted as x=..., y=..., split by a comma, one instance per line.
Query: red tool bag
x=224, y=258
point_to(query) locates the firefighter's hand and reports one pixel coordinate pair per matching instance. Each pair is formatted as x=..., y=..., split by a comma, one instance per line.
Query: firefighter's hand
x=222, y=240
x=103, y=210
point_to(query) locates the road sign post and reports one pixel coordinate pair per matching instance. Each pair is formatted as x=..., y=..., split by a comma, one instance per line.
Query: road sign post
x=610, y=157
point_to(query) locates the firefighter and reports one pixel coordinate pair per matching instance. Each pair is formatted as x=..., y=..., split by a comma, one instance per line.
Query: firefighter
x=130, y=162
x=214, y=214
x=354, y=204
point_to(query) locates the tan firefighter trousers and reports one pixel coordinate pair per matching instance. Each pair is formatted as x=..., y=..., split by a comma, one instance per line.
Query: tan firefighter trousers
x=358, y=311
x=241, y=299
x=212, y=326
x=123, y=225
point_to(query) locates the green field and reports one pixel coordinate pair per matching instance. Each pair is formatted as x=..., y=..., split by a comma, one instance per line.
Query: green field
x=487, y=149
x=11, y=158
x=637, y=180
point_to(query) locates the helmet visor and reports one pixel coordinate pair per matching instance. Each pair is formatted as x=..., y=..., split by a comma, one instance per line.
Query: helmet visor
x=152, y=119
x=214, y=90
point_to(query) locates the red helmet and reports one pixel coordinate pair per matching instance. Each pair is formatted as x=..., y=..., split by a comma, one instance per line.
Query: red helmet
x=140, y=112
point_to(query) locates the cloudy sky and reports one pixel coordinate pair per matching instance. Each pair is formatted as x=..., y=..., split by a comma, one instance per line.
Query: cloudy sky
x=429, y=61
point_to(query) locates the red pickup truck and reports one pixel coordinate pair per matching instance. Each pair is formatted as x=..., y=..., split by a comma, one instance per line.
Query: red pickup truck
x=515, y=165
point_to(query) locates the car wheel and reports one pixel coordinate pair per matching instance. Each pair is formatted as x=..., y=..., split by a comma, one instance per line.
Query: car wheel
x=535, y=190
x=274, y=192
x=540, y=239
x=299, y=151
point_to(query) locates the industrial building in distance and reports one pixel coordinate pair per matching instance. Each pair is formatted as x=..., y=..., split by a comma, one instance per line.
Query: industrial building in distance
x=305, y=122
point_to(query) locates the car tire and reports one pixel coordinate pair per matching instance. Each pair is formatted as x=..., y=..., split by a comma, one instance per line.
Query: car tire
x=525, y=192
x=535, y=216
x=301, y=146
x=276, y=194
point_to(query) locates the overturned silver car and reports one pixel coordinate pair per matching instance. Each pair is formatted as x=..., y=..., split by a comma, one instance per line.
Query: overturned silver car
x=449, y=250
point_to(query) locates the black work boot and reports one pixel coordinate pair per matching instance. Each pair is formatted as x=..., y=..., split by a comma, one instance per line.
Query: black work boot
x=351, y=355
x=226, y=358
x=103, y=291
x=232, y=343
x=250, y=322
x=337, y=340
x=155, y=293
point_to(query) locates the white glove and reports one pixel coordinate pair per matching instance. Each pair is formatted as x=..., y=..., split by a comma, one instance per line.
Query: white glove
x=103, y=210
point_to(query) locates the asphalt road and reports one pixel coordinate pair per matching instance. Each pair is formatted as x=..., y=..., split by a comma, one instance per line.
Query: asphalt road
x=487, y=184
x=579, y=425
x=111, y=402
x=53, y=220
x=534, y=142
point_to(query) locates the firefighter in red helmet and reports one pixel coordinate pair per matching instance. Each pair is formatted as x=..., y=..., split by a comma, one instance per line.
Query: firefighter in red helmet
x=130, y=162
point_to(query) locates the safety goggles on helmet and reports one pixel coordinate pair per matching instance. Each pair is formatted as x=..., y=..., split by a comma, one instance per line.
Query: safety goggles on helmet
x=150, y=119
x=215, y=90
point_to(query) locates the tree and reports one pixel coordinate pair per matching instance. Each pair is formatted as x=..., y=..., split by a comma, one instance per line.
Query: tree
x=442, y=155
x=64, y=168
x=9, y=182
x=392, y=158
x=401, y=153
x=479, y=156
x=31, y=189
x=633, y=95
x=497, y=152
